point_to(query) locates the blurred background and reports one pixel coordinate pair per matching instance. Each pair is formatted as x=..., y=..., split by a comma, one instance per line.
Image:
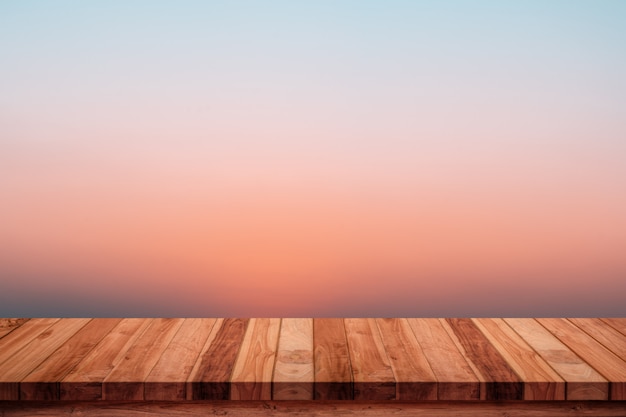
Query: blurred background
x=352, y=158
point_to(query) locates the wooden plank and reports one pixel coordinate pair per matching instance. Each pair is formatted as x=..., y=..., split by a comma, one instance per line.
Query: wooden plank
x=22, y=336
x=372, y=373
x=316, y=409
x=498, y=379
x=7, y=325
x=595, y=354
x=456, y=379
x=390, y=358
x=252, y=373
x=603, y=333
x=333, y=372
x=168, y=378
x=126, y=380
x=541, y=382
x=18, y=366
x=582, y=381
x=42, y=382
x=13, y=342
x=210, y=378
x=415, y=380
x=618, y=324
x=294, y=371
x=84, y=382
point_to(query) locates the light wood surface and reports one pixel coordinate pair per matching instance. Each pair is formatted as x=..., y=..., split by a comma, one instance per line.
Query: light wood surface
x=333, y=372
x=610, y=338
x=618, y=324
x=455, y=378
x=210, y=378
x=126, y=380
x=168, y=378
x=611, y=366
x=34, y=353
x=583, y=382
x=42, y=382
x=84, y=382
x=541, y=382
x=371, y=370
x=302, y=360
x=294, y=371
x=7, y=325
x=252, y=374
x=21, y=336
x=498, y=379
x=414, y=379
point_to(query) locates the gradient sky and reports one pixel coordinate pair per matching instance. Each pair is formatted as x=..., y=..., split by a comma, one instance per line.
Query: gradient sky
x=323, y=158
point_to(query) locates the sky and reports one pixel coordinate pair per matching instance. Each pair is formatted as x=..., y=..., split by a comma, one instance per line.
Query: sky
x=312, y=159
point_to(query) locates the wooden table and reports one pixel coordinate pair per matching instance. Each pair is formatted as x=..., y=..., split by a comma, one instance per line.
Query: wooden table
x=267, y=366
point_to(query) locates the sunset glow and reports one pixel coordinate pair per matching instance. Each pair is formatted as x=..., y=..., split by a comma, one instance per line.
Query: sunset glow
x=312, y=159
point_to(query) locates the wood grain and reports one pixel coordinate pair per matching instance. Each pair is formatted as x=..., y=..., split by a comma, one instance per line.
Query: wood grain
x=84, y=382
x=252, y=373
x=397, y=360
x=456, y=379
x=42, y=382
x=591, y=351
x=618, y=324
x=35, y=352
x=294, y=371
x=168, y=378
x=372, y=373
x=541, y=382
x=210, y=378
x=333, y=372
x=610, y=338
x=415, y=380
x=22, y=336
x=498, y=379
x=7, y=325
x=582, y=381
x=126, y=380
x=316, y=409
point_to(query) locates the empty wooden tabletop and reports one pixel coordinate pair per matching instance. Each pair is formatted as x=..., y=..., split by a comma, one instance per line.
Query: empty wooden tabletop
x=379, y=359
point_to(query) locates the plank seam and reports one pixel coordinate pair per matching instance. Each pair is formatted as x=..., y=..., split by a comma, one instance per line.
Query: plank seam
x=566, y=386
x=612, y=326
x=393, y=372
x=11, y=330
x=232, y=370
x=455, y=340
x=313, y=355
x=58, y=383
x=594, y=338
x=345, y=334
x=26, y=344
x=19, y=392
x=430, y=366
x=572, y=349
x=135, y=337
x=280, y=329
x=160, y=355
x=484, y=331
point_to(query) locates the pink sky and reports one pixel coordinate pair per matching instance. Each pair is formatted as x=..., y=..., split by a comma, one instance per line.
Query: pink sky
x=319, y=160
